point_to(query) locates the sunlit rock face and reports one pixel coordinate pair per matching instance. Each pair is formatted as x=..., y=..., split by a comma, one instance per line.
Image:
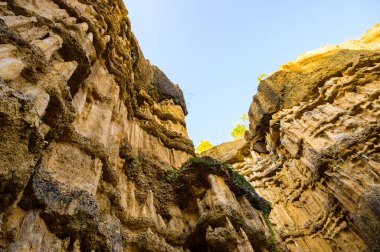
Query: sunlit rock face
x=318, y=119
x=92, y=140
x=230, y=152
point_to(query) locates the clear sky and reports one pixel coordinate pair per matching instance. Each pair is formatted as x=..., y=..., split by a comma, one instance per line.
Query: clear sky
x=216, y=49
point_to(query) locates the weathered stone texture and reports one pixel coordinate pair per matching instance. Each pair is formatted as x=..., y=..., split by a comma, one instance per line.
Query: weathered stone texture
x=92, y=140
x=230, y=152
x=318, y=117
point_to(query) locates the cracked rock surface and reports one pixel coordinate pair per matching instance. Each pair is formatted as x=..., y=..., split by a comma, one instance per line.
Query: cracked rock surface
x=318, y=119
x=93, y=138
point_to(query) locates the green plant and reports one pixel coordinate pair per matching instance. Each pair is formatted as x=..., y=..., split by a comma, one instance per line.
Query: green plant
x=265, y=210
x=272, y=242
x=238, y=132
x=244, y=118
x=240, y=182
x=171, y=175
x=195, y=160
x=261, y=76
x=240, y=128
x=203, y=146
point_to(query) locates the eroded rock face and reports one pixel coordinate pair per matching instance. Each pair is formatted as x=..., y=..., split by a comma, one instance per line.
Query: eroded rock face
x=318, y=117
x=21, y=143
x=299, y=81
x=92, y=140
x=230, y=152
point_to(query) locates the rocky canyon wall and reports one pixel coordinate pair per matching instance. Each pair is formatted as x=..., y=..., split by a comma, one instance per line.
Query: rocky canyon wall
x=315, y=150
x=93, y=138
x=94, y=153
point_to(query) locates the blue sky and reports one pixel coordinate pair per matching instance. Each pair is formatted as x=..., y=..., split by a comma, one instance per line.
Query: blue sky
x=216, y=49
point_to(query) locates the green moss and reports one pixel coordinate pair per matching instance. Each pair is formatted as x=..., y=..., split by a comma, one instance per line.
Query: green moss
x=266, y=210
x=171, y=175
x=205, y=161
x=272, y=243
x=240, y=182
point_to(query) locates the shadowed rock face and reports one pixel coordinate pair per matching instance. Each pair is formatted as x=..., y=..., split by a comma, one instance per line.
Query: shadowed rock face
x=92, y=141
x=318, y=118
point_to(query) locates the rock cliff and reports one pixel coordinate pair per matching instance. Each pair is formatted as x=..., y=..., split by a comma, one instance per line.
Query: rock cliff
x=93, y=144
x=315, y=150
x=95, y=156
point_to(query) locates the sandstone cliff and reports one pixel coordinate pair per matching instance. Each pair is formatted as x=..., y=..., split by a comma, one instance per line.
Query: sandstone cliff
x=92, y=140
x=315, y=150
x=95, y=156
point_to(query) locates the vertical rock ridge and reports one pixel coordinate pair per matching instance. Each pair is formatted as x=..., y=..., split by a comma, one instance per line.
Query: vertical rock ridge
x=314, y=138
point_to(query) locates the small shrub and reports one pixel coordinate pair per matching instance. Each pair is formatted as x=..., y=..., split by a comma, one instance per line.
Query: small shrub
x=238, y=132
x=203, y=146
x=261, y=76
x=241, y=127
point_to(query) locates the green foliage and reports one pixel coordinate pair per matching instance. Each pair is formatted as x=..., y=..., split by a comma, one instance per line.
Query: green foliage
x=266, y=209
x=171, y=175
x=240, y=182
x=244, y=118
x=272, y=242
x=238, y=132
x=261, y=76
x=203, y=146
x=209, y=162
x=240, y=128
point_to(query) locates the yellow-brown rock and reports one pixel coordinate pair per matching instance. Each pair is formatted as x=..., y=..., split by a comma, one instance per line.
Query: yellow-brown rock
x=95, y=156
x=93, y=138
x=229, y=152
x=318, y=117
x=299, y=81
